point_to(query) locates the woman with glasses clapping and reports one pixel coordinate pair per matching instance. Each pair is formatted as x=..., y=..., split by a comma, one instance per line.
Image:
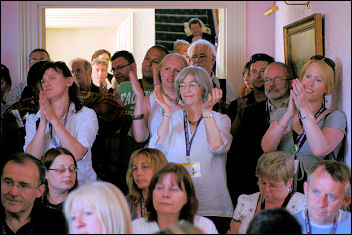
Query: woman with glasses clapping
x=198, y=138
x=275, y=171
x=60, y=178
x=307, y=128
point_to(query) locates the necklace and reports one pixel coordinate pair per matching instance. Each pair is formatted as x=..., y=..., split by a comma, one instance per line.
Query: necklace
x=173, y=101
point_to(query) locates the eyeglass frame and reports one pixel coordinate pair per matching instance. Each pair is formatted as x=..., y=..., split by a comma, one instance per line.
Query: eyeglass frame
x=200, y=57
x=60, y=171
x=264, y=184
x=327, y=60
x=192, y=84
x=21, y=188
x=119, y=67
x=276, y=79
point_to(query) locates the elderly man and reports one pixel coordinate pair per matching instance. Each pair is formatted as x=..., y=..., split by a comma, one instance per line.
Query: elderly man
x=250, y=126
x=202, y=53
x=22, y=182
x=82, y=73
x=328, y=189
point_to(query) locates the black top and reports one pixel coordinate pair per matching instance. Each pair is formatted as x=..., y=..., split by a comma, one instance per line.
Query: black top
x=205, y=36
x=232, y=109
x=44, y=220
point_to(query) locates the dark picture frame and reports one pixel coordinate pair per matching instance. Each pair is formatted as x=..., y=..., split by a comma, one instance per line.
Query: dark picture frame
x=303, y=39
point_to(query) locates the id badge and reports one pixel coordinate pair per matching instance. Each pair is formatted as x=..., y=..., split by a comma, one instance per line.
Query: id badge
x=193, y=168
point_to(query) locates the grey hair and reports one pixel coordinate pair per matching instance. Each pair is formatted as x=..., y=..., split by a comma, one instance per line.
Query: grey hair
x=288, y=70
x=87, y=65
x=201, y=42
x=199, y=75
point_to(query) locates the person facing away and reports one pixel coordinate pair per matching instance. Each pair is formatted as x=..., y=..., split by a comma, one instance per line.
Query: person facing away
x=171, y=200
x=97, y=208
x=6, y=84
x=151, y=61
x=82, y=74
x=203, y=53
x=195, y=25
x=62, y=121
x=328, y=190
x=141, y=168
x=122, y=62
x=306, y=128
x=14, y=94
x=250, y=126
x=105, y=55
x=60, y=178
x=258, y=63
x=181, y=47
x=22, y=184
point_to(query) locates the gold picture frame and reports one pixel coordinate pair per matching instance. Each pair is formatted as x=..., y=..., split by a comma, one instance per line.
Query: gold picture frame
x=303, y=39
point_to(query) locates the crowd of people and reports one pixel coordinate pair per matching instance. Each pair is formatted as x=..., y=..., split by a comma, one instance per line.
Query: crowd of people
x=86, y=151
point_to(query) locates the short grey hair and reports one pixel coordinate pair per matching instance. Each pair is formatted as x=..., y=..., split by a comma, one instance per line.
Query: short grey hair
x=288, y=70
x=199, y=75
x=201, y=42
x=87, y=65
x=100, y=61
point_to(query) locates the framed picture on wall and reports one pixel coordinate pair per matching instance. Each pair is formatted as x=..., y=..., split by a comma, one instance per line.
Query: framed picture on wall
x=303, y=39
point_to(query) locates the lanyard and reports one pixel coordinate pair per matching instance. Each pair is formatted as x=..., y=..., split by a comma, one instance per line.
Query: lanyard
x=53, y=141
x=142, y=207
x=309, y=228
x=187, y=140
x=299, y=140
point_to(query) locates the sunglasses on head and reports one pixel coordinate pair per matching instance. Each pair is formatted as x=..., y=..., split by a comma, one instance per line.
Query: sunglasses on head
x=328, y=61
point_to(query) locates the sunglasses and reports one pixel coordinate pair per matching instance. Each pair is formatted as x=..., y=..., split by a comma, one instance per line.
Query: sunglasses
x=328, y=61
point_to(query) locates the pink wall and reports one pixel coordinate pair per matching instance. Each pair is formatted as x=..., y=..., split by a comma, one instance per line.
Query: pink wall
x=10, y=37
x=260, y=29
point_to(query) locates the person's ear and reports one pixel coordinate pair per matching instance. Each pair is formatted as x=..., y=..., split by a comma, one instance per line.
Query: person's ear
x=40, y=191
x=305, y=187
x=69, y=81
x=347, y=201
x=134, y=67
x=289, y=183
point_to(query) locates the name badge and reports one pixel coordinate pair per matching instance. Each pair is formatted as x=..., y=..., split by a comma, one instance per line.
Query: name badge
x=193, y=168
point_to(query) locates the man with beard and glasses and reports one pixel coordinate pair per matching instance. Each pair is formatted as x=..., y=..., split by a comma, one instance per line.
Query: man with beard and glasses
x=250, y=126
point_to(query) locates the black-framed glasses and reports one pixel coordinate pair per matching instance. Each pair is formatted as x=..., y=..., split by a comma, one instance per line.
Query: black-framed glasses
x=113, y=69
x=63, y=170
x=327, y=60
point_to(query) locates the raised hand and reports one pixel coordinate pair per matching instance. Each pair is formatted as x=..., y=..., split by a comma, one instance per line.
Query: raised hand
x=212, y=99
x=162, y=100
x=136, y=86
x=292, y=109
x=300, y=96
x=156, y=80
x=46, y=110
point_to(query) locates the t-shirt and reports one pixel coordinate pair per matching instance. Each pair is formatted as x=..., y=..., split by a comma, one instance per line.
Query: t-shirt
x=128, y=97
x=343, y=224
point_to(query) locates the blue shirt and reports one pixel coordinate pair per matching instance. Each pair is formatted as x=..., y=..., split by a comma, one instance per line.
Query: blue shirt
x=343, y=224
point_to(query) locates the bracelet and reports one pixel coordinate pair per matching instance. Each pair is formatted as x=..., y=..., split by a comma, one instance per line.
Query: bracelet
x=209, y=115
x=138, y=117
x=307, y=116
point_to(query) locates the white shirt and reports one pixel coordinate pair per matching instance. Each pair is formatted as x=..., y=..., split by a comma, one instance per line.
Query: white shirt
x=211, y=188
x=82, y=125
x=142, y=226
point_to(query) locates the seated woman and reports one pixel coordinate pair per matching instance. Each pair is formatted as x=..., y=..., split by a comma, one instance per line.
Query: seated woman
x=143, y=164
x=97, y=208
x=60, y=178
x=275, y=171
x=62, y=121
x=199, y=139
x=306, y=128
x=147, y=113
x=171, y=199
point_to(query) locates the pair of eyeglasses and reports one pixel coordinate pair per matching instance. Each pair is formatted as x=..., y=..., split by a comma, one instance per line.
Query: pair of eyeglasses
x=63, y=170
x=327, y=60
x=201, y=57
x=271, y=186
x=190, y=85
x=117, y=68
x=21, y=186
x=276, y=80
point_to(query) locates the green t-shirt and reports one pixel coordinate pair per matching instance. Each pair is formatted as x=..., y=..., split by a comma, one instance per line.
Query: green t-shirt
x=128, y=97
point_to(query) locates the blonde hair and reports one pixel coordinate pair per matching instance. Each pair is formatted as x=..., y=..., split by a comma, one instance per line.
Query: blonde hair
x=157, y=160
x=178, y=56
x=327, y=74
x=275, y=165
x=108, y=202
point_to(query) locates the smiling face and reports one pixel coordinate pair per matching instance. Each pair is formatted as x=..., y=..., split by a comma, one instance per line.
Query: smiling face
x=19, y=187
x=142, y=171
x=325, y=197
x=191, y=92
x=61, y=181
x=84, y=219
x=168, y=197
x=170, y=69
x=121, y=69
x=201, y=55
x=313, y=83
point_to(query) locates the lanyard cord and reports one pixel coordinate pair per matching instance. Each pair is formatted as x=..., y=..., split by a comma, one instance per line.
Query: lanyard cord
x=284, y=204
x=142, y=207
x=187, y=140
